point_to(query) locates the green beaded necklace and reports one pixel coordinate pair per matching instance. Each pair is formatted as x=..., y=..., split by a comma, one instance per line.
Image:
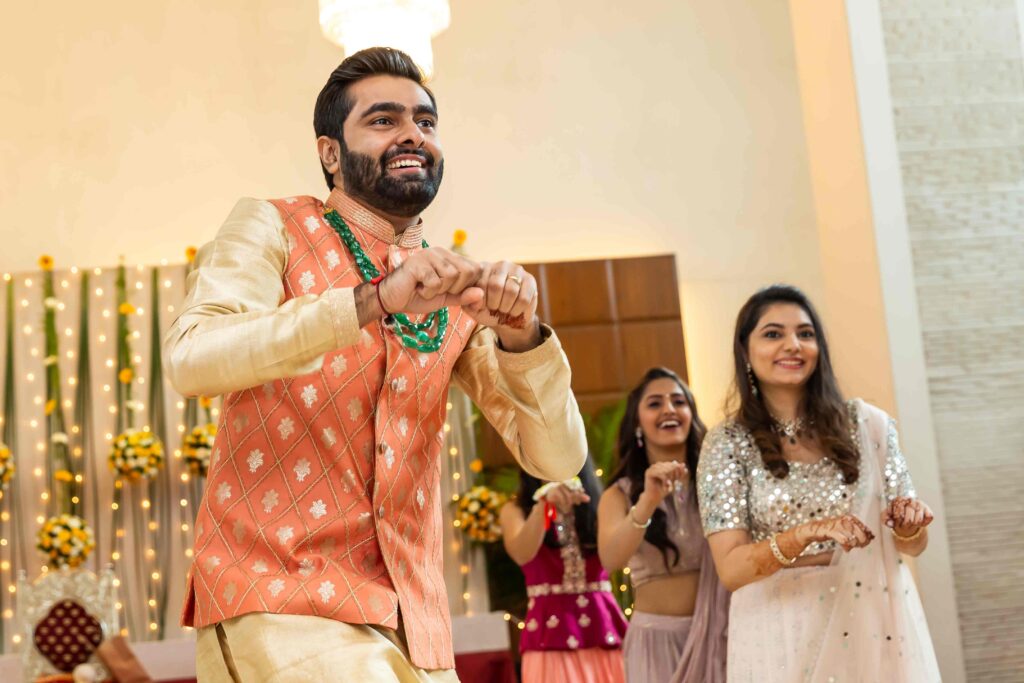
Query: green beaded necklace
x=413, y=335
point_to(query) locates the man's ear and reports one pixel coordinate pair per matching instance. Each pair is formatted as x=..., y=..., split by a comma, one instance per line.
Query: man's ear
x=330, y=154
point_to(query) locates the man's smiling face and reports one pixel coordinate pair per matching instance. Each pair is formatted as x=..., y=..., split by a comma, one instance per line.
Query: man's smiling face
x=391, y=157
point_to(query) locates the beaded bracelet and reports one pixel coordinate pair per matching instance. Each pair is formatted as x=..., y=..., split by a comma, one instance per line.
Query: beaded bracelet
x=783, y=560
x=636, y=524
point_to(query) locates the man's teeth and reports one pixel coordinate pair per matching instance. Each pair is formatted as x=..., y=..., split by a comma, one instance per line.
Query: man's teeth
x=406, y=162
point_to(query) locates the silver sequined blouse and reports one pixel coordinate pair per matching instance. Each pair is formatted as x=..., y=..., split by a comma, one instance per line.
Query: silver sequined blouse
x=737, y=492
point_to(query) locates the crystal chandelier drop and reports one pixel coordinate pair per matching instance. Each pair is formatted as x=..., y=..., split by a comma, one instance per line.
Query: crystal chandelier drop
x=407, y=25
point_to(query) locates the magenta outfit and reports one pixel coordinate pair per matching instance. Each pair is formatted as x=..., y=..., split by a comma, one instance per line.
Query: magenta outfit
x=571, y=605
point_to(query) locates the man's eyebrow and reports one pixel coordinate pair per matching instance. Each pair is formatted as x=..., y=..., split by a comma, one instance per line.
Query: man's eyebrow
x=424, y=109
x=390, y=107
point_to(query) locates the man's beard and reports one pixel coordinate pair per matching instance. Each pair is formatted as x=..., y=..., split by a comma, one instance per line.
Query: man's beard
x=367, y=179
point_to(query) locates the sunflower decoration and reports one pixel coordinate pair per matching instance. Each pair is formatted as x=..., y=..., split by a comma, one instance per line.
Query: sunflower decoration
x=477, y=514
x=6, y=464
x=66, y=540
x=136, y=454
x=197, y=448
x=46, y=263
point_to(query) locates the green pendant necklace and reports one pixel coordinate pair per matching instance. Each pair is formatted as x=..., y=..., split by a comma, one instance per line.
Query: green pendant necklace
x=413, y=335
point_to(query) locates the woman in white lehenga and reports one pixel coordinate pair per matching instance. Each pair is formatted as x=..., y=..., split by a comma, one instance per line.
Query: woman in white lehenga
x=807, y=504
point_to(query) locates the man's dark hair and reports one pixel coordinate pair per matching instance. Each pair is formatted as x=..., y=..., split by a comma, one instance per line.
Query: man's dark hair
x=333, y=105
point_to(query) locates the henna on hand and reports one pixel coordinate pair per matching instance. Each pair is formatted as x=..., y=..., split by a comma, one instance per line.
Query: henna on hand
x=908, y=515
x=843, y=530
x=506, y=320
x=764, y=560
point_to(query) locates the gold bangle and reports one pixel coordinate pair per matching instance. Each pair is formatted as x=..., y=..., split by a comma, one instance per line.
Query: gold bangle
x=912, y=537
x=782, y=559
x=636, y=524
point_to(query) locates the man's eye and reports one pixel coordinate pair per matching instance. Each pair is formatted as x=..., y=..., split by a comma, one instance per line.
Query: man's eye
x=380, y=121
x=427, y=123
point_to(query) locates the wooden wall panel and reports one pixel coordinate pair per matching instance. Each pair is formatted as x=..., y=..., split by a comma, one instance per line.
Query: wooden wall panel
x=578, y=293
x=595, y=356
x=646, y=288
x=652, y=342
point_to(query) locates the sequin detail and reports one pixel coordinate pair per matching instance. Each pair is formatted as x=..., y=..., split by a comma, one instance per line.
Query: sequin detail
x=737, y=492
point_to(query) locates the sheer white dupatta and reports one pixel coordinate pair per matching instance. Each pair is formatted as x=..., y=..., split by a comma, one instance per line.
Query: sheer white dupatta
x=876, y=630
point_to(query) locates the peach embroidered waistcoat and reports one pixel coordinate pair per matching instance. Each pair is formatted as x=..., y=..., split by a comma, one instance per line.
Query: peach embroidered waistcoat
x=323, y=496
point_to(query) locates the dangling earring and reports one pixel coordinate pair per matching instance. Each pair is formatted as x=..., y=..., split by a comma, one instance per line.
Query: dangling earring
x=750, y=379
x=639, y=437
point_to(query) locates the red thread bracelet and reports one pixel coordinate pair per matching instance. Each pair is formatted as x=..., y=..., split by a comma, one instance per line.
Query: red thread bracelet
x=376, y=288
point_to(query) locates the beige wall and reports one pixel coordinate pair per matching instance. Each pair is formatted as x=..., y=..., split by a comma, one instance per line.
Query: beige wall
x=852, y=288
x=571, y=132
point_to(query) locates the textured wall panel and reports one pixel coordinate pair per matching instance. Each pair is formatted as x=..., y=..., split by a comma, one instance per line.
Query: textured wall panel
x=957, y=82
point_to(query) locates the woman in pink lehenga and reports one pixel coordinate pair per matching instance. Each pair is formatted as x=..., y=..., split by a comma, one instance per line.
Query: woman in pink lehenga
x=807, y=504
x=574, y=626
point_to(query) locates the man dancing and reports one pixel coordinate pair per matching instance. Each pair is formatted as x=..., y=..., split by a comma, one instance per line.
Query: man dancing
x=333, y=332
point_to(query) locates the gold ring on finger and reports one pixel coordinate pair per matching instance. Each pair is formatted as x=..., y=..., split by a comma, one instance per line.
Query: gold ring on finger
x=515, y=278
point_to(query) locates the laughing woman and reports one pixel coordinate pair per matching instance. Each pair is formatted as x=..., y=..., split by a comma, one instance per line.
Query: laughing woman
x=648, y=521
x=807, y=504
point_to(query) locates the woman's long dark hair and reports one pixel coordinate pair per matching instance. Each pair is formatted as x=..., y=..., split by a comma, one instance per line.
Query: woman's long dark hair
x=824, y=409
x=633, y=461
x=585, y=513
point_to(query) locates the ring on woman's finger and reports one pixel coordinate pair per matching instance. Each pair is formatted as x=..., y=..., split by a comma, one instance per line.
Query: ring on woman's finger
x=516, y=279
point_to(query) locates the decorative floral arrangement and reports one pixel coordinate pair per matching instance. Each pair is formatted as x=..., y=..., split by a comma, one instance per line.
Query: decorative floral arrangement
x=197, y=448
x=6, y=464
x=136, y=454
x=66, y=540
x=477, y=514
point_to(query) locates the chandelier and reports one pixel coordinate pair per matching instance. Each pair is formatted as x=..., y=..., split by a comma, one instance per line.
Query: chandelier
x=407, y=25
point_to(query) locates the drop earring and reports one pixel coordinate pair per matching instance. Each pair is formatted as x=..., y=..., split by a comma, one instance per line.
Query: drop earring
x=639, y=437
x=750, y=379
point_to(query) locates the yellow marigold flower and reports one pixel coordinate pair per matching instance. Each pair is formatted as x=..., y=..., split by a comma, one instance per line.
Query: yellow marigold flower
x=126, y=309
x=63, y=475
x=190, y=254
x=205, y=402
x=459, y=238
x=125, y=376
x=477, y=465
x=46, y=262
x=51, y=406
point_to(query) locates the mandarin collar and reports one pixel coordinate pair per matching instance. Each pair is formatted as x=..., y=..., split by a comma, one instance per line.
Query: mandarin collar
x=360, y=216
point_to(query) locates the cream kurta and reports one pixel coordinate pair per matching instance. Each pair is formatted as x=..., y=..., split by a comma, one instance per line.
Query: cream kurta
x=323, y=497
